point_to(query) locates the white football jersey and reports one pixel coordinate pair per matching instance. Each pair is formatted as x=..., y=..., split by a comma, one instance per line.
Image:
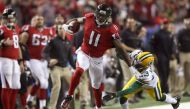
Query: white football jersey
x=148, y=77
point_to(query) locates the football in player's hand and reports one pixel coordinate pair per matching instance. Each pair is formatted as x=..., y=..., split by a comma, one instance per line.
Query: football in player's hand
x=74, y=26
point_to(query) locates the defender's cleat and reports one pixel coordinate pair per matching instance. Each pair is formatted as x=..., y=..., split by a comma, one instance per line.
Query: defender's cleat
x=109, y=96
x=66, y=102
x=176, y=105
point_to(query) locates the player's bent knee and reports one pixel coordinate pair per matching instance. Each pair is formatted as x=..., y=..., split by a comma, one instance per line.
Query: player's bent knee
x=96, y=85
x=43, y=83
x=122, y=100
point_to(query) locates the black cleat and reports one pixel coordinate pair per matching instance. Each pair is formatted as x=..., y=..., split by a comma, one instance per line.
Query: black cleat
x=66, y=102
x=176, y=105
x=109, y=96
x=30, y=104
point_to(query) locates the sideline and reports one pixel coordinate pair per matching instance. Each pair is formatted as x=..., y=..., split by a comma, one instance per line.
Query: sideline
x=184, y=105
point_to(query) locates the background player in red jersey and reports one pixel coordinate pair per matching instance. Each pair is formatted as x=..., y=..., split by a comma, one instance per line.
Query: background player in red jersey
x=36, y=36
x=9, y=54
x=99, y=35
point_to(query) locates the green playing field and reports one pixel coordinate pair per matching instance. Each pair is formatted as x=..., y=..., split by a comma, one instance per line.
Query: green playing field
x=143, y=103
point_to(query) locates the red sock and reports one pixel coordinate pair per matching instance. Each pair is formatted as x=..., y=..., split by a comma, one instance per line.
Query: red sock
x=42, y=94
x=5, y=98
x=102, y=87
x=23, y=97
x=37, y=107
x=98, y=95
x=75, y=80
x=13, y=98
x=34, y=90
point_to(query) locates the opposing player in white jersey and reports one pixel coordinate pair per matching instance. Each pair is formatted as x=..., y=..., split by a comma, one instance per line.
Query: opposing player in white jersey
x=144, y=78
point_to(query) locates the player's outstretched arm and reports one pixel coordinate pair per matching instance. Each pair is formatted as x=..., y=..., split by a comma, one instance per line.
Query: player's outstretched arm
x=127, y=48
x=121, y=51
x=131, y=89
x=73, y=25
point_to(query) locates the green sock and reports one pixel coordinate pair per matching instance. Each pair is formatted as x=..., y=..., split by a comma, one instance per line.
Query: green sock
x=136, y=85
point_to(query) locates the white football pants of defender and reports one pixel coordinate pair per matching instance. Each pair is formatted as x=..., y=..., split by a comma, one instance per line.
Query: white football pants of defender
x=94, y=65
x=10, y=73
x=40, y=72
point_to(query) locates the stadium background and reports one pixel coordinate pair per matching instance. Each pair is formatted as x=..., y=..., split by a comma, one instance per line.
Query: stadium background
x=150, y=13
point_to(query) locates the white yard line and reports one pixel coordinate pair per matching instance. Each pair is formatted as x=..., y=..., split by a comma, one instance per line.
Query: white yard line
x=185, y=105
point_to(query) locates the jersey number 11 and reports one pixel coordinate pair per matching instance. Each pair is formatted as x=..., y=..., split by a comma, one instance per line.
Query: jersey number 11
x=97, y=38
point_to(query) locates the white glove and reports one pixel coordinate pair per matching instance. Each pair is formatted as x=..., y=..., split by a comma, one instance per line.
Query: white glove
x=66, y=28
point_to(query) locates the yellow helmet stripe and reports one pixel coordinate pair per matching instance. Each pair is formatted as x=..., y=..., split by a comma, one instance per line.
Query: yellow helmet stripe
x=144, y=56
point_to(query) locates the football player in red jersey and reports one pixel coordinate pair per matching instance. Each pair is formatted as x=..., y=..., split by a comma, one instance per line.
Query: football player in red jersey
x=99, y=35
x=36, y=36
x=9, y=54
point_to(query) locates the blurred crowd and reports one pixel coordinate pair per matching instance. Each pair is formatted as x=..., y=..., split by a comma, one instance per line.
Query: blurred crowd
x=158, y=26
x=149, y=12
